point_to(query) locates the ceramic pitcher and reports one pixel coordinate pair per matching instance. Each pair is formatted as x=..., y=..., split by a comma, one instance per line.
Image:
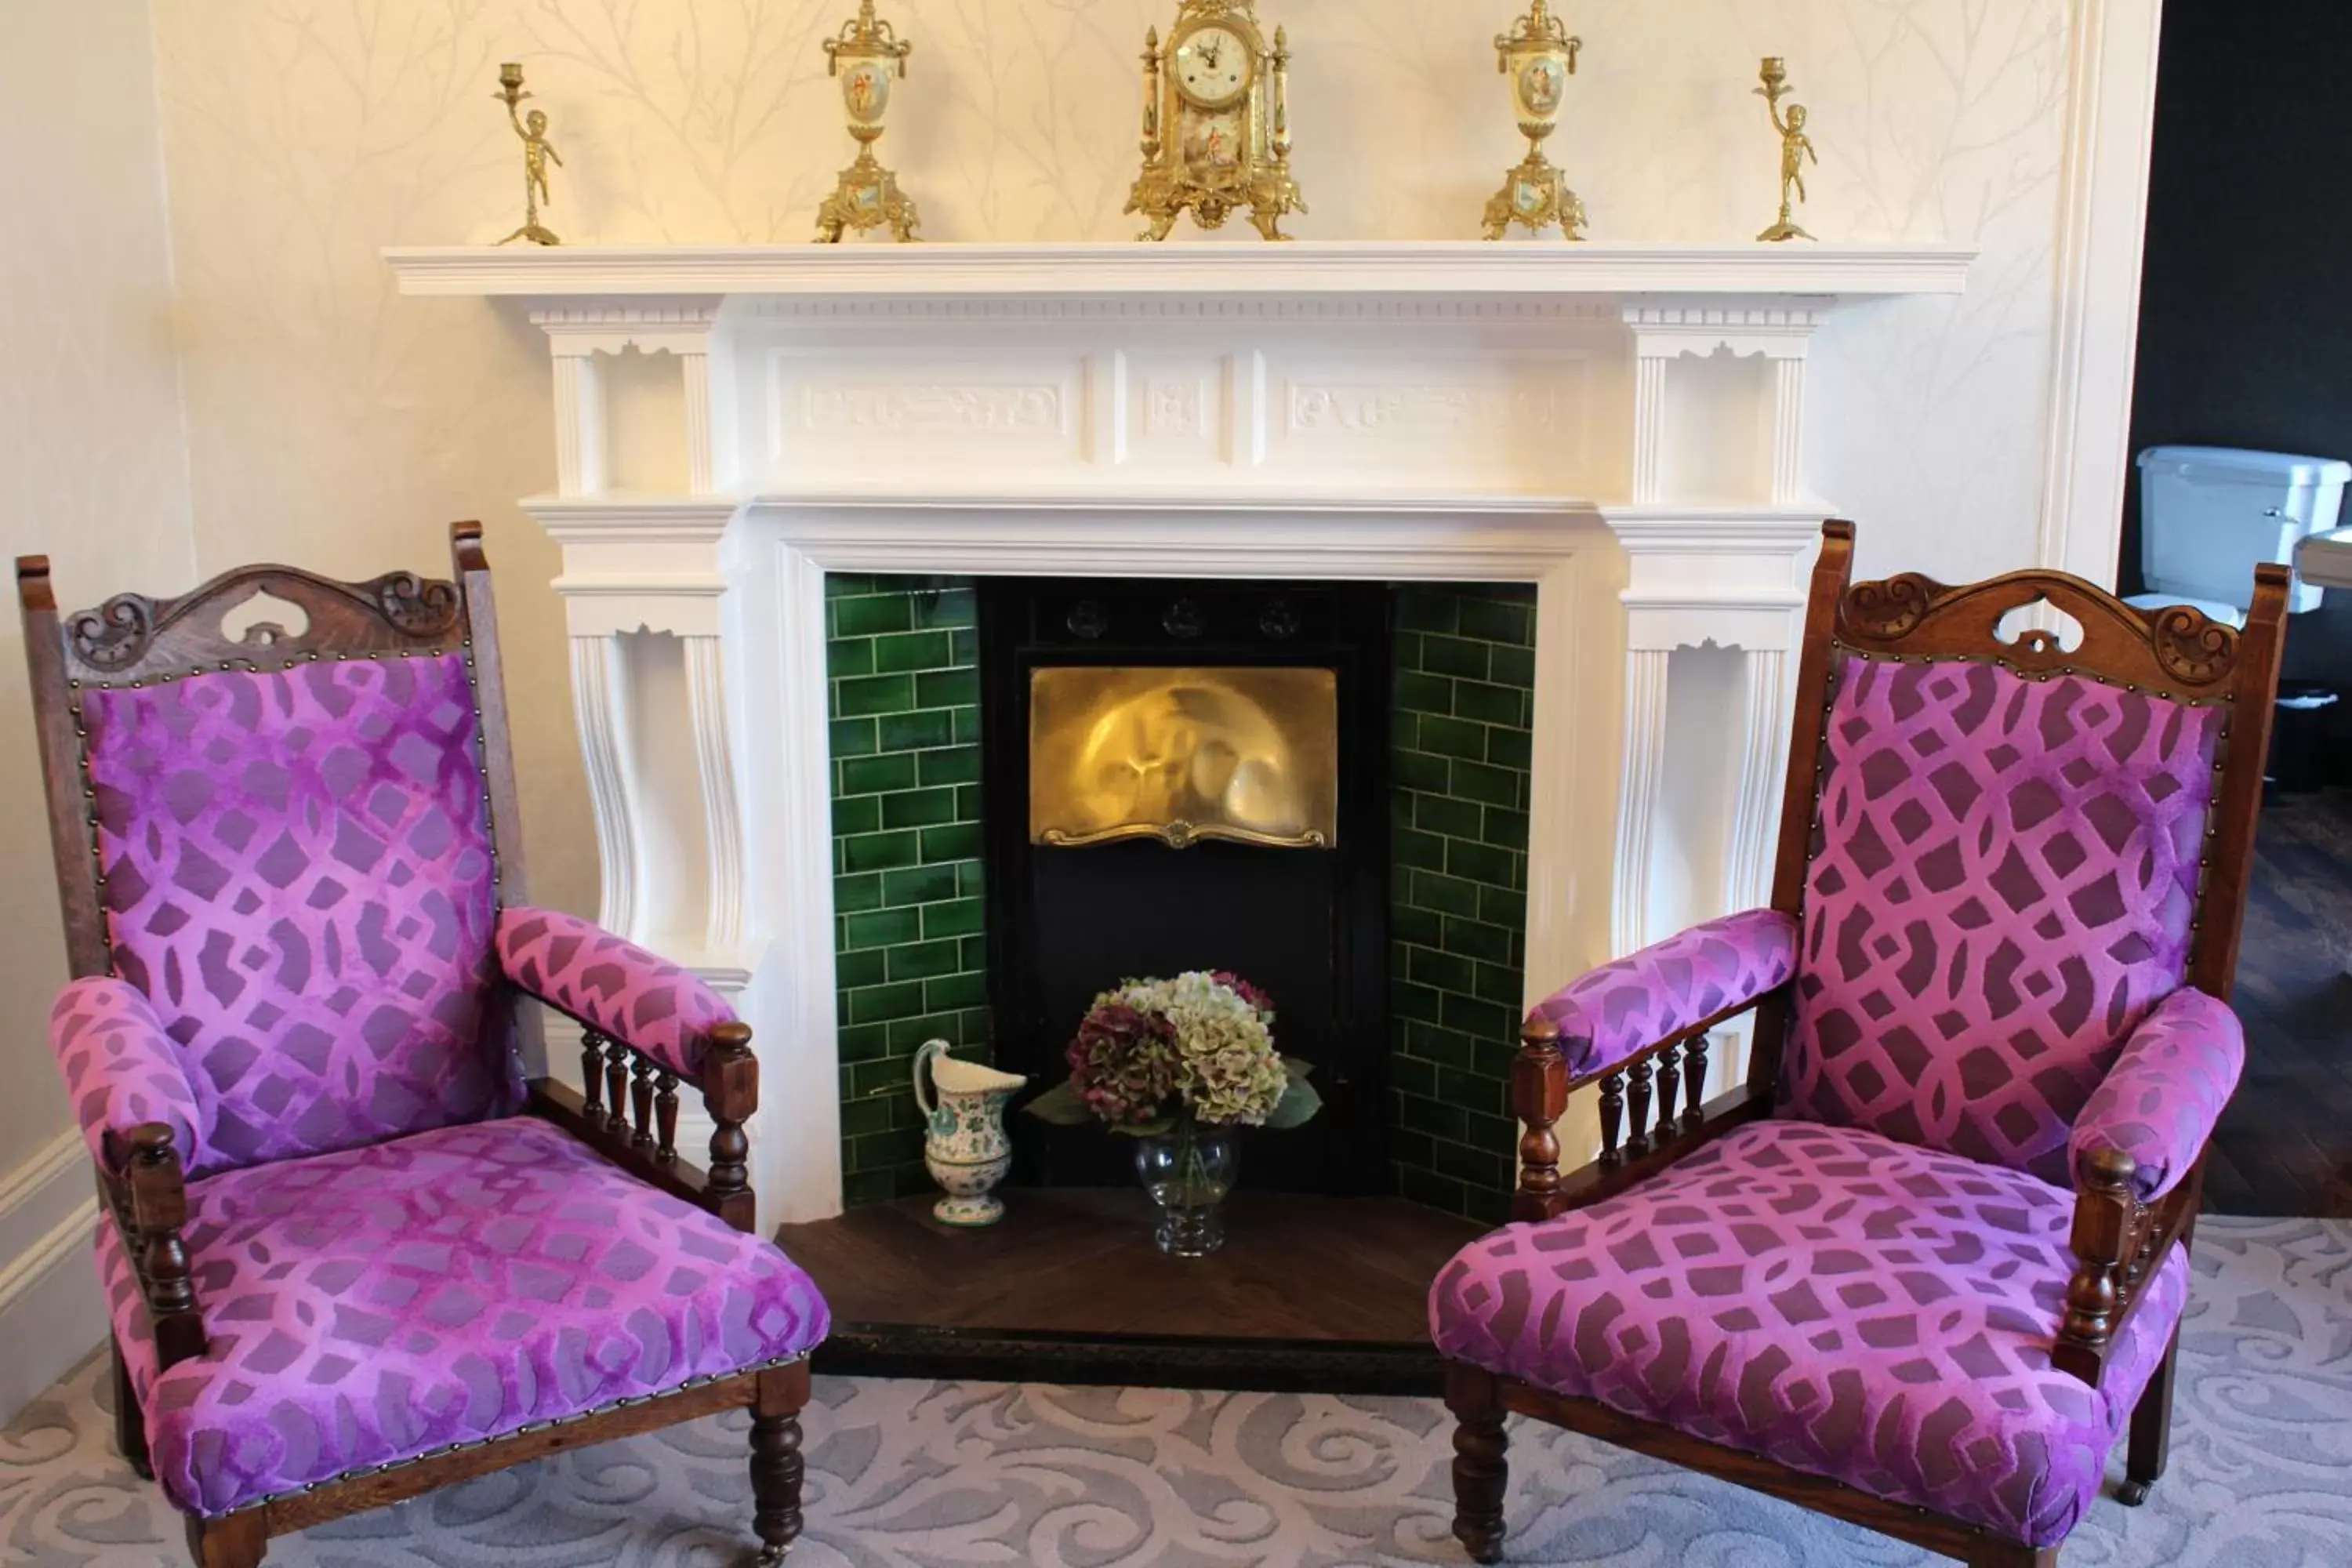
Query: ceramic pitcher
x=964, y=1145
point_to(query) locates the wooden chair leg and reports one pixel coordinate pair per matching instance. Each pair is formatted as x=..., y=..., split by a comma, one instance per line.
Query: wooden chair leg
x=2007, y=1556
x=2151, y=1430
x=1481, y=1472
x=776, y=1464
x=130, y=1421
x=231, y=1540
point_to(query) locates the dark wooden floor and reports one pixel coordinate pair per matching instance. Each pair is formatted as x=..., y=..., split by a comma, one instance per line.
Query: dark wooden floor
x=1069, y=1286
x=2285, y=1146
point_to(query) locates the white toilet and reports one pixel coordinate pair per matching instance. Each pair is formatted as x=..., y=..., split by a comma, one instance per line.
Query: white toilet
x=2210, y=515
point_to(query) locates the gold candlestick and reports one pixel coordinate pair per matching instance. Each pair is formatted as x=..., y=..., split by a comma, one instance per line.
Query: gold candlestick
x=1539, y=57
x=866, y=57
x=538, y=153
x=1795, y=148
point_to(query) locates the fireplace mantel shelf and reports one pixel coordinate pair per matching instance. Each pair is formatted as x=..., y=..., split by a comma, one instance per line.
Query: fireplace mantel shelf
x=1622, y=426
x=1425, y=269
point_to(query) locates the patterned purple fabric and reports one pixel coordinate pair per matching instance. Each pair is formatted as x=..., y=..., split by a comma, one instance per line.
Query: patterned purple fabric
x=299, y=876
x=121, y=1069
x=1623, y=1008
x=1834, y=1301
x=2160, y=1102
x=611, y=985
x=369, y=1306
x=2001, y=886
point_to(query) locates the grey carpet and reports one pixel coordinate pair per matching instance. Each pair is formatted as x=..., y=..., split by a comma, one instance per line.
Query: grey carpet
x=920, y=1474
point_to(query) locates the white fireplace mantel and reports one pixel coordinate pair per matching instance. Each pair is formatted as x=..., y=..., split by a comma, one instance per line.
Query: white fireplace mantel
x=1622, y=426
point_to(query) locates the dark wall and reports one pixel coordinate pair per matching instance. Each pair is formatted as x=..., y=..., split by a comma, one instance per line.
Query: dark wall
x=2246, y=313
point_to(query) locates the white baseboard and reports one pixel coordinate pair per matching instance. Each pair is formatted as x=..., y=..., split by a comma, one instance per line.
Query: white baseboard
x=52, y=1313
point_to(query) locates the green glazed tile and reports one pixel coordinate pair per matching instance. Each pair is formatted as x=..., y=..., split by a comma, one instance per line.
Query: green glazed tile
x=1500, y=620
x=1418, y=693
x=853, y=737
x=882, y=928
x=866, y=616
x=854, y=895
x=952, y=992
x=924, y=960
x=878, y=775
x=1505, y=829
x=1452, y=737
x=918, y=885
x=1473, y=862
x=1446, y=895
x=873, y=694
x=852, y=969
x=1513, y=749
x=949, y=607
x=918, y=808
x=1490, y=704
x=880, y=1004
x=960, y=917
x=1453, y=656
x=954, y=765
x=1420, y=772
x=880, y=851
x=1454, y=818
x=854, y=815
x=1488, y=785
x=1512, y=667
x=947, y=688
x=911, y=651
x=1427, y=927
x=915, y=731
x=1407, y=847
x=1427, y=610
x=847, y=656
x=959, y=841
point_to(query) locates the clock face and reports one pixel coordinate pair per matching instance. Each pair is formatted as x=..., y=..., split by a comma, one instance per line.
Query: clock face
x=1212, y=67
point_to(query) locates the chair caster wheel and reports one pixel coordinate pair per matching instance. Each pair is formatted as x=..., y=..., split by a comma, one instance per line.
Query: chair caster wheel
x=2131, y=1494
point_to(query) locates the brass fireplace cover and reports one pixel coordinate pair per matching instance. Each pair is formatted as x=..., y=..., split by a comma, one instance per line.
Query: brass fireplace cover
x=1250, y=756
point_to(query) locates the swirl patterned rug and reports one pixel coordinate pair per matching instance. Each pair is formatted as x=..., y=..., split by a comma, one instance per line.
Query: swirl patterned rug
x=931, y=1474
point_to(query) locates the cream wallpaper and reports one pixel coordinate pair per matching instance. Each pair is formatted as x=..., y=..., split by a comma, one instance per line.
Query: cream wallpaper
x=335, y=424
x=93, y=460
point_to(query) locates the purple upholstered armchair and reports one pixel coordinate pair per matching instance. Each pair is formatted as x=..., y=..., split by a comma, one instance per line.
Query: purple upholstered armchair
x=1926, y=1266
x=353, y=1254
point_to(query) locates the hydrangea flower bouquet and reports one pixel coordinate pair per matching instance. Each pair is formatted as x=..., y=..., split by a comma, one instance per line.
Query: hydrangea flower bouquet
x=1178, y=1064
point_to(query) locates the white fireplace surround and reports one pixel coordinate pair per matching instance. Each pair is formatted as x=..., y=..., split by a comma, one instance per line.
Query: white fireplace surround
x=1622, y=426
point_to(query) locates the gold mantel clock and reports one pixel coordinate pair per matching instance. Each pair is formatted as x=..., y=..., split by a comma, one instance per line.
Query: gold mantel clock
x=1216, y=122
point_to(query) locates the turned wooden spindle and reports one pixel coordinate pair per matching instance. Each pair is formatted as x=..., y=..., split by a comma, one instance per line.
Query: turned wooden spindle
x=731, y=1088
x=1670, y=1083
x=616, y=1089
x=159, y=1207
x=666, y=1116
x=1612, y=1107
x=2102, y=1243
x=1694, y=1079
x=592, y=1076
x=1637, y=1141
x=1539, y=1099
x=641, y=1103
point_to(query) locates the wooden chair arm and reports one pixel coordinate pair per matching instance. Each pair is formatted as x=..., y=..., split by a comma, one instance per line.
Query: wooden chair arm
x=629, y=1113
x=147, y=1202
x=1673, y=1070
x=2115, y=1239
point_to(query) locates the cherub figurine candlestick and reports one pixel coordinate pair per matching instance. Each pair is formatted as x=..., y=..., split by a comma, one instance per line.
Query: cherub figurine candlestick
x=538, y=153
x=866, y=57
x=1539, y=57
x=1795, y=148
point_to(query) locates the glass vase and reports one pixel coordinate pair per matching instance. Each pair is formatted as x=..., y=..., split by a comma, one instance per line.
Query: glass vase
x=1188, y=1174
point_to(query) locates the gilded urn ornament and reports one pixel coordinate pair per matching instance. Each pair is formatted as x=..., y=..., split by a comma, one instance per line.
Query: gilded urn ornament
x=1795, y=148
x=1216, y=122
x=538, y=153
x=866, y=59
x=1538, y=55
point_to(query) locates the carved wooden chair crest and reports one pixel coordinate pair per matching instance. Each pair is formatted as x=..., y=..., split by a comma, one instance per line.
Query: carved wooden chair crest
x=353, y=1252
x=1921, y=1269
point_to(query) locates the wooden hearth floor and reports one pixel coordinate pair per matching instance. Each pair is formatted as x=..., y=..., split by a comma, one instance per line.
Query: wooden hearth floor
x=1308, y=1293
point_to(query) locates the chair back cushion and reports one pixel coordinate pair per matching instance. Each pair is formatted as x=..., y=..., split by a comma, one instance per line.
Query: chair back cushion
x=2003, y=884
x=299, y=874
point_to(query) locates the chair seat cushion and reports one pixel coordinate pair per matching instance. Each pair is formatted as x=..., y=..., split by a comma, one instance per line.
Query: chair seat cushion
x=1833, y=1300
x=367, y=1306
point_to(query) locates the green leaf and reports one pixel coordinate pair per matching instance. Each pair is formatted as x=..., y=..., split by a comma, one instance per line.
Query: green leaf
x=1061, y=1106
x=1297, y=1106
x=1297, y=1068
